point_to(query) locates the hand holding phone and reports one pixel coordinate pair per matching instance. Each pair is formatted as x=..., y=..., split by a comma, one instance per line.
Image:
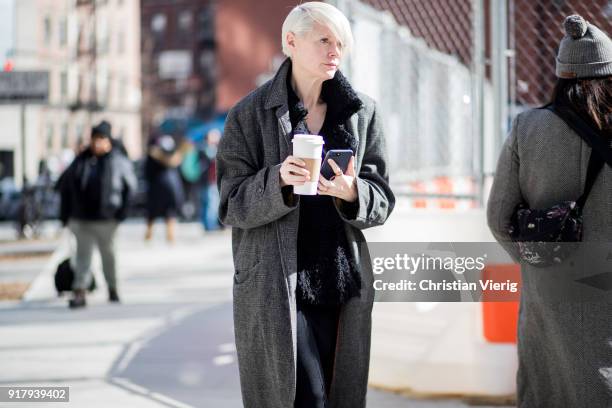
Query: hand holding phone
x=342, y=158
x=341, y=183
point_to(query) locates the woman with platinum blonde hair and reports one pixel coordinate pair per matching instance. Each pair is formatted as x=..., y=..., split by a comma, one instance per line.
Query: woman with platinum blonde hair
x=303, y=291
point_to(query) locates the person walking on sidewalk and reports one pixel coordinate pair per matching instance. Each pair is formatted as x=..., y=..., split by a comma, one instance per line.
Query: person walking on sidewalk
x=95, y=191
x=303, y=293
x=165, y=194
x=209, y=193
x=564, y=346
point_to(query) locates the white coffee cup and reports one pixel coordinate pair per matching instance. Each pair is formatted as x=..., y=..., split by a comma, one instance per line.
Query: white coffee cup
x=309, y=148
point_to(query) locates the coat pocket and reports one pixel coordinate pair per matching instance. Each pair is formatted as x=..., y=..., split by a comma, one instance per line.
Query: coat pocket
x=241, y=274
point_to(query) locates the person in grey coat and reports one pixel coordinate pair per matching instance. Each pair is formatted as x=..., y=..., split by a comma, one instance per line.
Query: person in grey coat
x=303, y=291
x=564, y=346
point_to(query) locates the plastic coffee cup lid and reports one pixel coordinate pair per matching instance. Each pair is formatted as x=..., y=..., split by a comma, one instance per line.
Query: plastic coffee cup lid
x=308, y=138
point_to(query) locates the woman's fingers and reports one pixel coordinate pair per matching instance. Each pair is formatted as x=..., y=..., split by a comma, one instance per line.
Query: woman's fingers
x=351, y=167
x=292, y=168
x=293, y=172
x=295, y=160
x=337, y=170
x=325, y=186
x=324, y=182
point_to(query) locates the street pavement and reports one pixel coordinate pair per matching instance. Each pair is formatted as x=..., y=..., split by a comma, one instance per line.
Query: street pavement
x=168, y=344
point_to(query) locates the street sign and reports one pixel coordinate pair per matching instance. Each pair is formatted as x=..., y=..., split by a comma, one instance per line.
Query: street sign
x=24, y=87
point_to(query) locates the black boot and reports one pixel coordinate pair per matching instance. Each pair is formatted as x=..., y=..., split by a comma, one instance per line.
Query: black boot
x=113, y=297
x=78, y=299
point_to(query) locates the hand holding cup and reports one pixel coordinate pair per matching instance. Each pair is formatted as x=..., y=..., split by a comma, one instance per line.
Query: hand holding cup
x=293, y=172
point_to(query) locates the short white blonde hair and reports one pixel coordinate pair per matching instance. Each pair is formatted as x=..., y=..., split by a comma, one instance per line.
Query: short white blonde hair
x=301, y=19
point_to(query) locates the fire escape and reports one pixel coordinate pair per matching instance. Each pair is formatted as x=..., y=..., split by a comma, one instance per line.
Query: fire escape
x=86, y=55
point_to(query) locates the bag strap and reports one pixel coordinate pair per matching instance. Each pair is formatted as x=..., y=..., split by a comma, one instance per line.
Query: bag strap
x=591, y=136
x=596, y=163
x=600, y=153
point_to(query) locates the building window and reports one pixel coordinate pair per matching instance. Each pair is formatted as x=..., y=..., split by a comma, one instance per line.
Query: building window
x=207, y=60
x=103, y=34
x=91, y=39
x=158, y=22
x=65, y=141
x=185, y=20
x=206, y=27
x=7, y=164
x=47, y=27
x=63, y=31
x=63, y=86
x=121, y=42
x=79, y=131
x=49, y=137
x=123, y=85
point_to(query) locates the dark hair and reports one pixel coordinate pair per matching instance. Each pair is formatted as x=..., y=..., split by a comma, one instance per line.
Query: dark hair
x=590, y=98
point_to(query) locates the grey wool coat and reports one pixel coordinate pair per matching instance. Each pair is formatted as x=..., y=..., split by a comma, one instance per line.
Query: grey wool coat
x=264, y=221
x=564, y=346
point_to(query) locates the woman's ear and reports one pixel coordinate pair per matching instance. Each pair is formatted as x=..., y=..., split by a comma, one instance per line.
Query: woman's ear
x=291, y=40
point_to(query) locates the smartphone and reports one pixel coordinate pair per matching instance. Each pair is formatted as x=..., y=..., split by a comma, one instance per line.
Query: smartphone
x=341, y=157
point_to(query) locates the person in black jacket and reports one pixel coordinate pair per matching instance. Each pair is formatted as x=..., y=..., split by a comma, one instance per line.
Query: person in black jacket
x=95, y=191
x=165, y=194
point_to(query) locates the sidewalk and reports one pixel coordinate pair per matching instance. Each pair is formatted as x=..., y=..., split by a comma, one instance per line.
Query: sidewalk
x=21, y=261
x=169, y=344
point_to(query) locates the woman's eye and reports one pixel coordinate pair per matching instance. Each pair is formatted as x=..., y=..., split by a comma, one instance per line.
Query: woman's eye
x=324, y=40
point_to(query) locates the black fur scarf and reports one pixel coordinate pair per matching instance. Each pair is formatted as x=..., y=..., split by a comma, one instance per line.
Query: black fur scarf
x=327, y=274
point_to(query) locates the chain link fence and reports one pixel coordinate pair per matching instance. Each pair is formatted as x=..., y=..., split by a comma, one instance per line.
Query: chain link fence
x=535, y=29
x=416, y=59
x=449, y=76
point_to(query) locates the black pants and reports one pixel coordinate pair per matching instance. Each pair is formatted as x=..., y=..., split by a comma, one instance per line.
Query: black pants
x=317, y=328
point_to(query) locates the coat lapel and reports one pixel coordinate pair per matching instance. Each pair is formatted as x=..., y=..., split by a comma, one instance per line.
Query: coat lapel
x=286, y=228
x=284, y=132
x=277, y=101
x=352, y=124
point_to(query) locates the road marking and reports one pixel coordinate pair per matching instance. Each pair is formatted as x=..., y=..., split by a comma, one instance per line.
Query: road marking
x=170, y=401
x=128, y=384
x=145, y=392
x=223, y=359
x=227, y=348
x=133, y=348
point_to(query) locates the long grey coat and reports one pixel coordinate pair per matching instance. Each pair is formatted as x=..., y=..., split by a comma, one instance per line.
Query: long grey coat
x=257, y=139
x=565, y=347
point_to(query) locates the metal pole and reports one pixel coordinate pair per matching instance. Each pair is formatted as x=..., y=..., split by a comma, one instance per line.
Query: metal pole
x=478, y=69
x=512, y=60
x=22, y=109
x=94, y=62
x=499, y=69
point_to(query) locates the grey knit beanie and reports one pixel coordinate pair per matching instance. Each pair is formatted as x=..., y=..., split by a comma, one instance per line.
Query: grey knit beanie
x=585, y=51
